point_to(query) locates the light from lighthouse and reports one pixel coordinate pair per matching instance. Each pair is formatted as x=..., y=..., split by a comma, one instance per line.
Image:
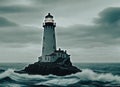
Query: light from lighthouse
x=49, y=20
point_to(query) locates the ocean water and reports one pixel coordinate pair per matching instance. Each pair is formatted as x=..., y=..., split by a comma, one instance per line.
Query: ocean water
x=92, y=75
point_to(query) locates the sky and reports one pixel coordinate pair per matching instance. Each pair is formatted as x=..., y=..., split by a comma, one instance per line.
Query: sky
x=88, y=29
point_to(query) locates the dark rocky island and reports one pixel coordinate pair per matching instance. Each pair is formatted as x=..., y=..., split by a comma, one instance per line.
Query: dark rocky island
x=55, y=68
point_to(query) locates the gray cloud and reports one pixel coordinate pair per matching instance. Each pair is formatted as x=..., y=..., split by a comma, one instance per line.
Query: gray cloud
x=97, y=35
x=6, y=23
x=109, y=16
x=46, y=1
x=3, y=2
x=16, y=9
x=109, y=22
x=19, y=36
x=84, y=36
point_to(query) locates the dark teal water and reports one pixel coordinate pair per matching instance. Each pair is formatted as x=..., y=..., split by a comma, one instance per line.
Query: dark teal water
x=92, y=75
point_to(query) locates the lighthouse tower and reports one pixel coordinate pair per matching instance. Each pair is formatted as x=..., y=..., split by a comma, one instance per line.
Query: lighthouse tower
x=49, y=51
x=49, y=40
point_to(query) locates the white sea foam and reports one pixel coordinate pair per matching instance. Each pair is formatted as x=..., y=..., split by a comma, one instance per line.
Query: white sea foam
x=88, y=74
x=6, y=73
x=85, y=75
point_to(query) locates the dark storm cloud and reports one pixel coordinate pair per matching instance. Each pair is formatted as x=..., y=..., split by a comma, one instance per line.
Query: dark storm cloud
x=109, y=16
x=19, y=36
x=46, y=1
x=6, y=23
x=96, y=35
x=3, y=1
x=58, y=1
x=82, y=36
x=105, y=31
x=16, y=9
x=99, y=41
x=109, y=22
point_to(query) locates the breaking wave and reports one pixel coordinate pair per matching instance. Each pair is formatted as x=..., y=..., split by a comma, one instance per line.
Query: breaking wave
x=86, y=77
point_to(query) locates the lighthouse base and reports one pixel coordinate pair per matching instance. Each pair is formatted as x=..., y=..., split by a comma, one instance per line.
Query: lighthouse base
x=46, y=68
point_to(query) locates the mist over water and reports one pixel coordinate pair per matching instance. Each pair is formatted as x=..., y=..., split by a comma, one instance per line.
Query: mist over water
x=86, y=78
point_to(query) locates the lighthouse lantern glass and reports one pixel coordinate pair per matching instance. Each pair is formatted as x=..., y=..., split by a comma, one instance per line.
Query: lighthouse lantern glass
x=49, y=20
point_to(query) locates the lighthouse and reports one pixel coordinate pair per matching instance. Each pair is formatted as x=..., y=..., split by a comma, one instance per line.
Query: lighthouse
x=49, y=40
x=52, y=61
x=49, y=51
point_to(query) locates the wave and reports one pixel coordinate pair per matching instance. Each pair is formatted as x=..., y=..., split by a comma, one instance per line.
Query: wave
x=86, y=75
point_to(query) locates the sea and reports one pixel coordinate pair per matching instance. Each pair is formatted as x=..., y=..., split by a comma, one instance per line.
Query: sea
x=92, y=75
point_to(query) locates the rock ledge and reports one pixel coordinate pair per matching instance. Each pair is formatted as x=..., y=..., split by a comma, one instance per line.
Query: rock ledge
x=55, y=68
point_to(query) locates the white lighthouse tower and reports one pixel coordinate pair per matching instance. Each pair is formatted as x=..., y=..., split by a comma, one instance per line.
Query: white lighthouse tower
x=49, y=40
x=49, y=52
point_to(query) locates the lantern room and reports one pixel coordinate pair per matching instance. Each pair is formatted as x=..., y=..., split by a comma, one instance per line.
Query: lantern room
x=49, y=18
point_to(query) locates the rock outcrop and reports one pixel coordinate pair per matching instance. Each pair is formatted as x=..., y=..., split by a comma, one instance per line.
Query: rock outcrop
x=61, y=67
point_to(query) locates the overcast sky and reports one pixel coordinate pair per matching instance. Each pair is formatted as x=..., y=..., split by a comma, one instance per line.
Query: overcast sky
x=88, y=29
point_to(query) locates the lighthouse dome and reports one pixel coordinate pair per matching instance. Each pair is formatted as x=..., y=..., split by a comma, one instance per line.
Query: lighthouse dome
x=49, y=16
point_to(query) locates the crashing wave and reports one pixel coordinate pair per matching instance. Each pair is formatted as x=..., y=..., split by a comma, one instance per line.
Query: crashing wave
x=51, y=80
